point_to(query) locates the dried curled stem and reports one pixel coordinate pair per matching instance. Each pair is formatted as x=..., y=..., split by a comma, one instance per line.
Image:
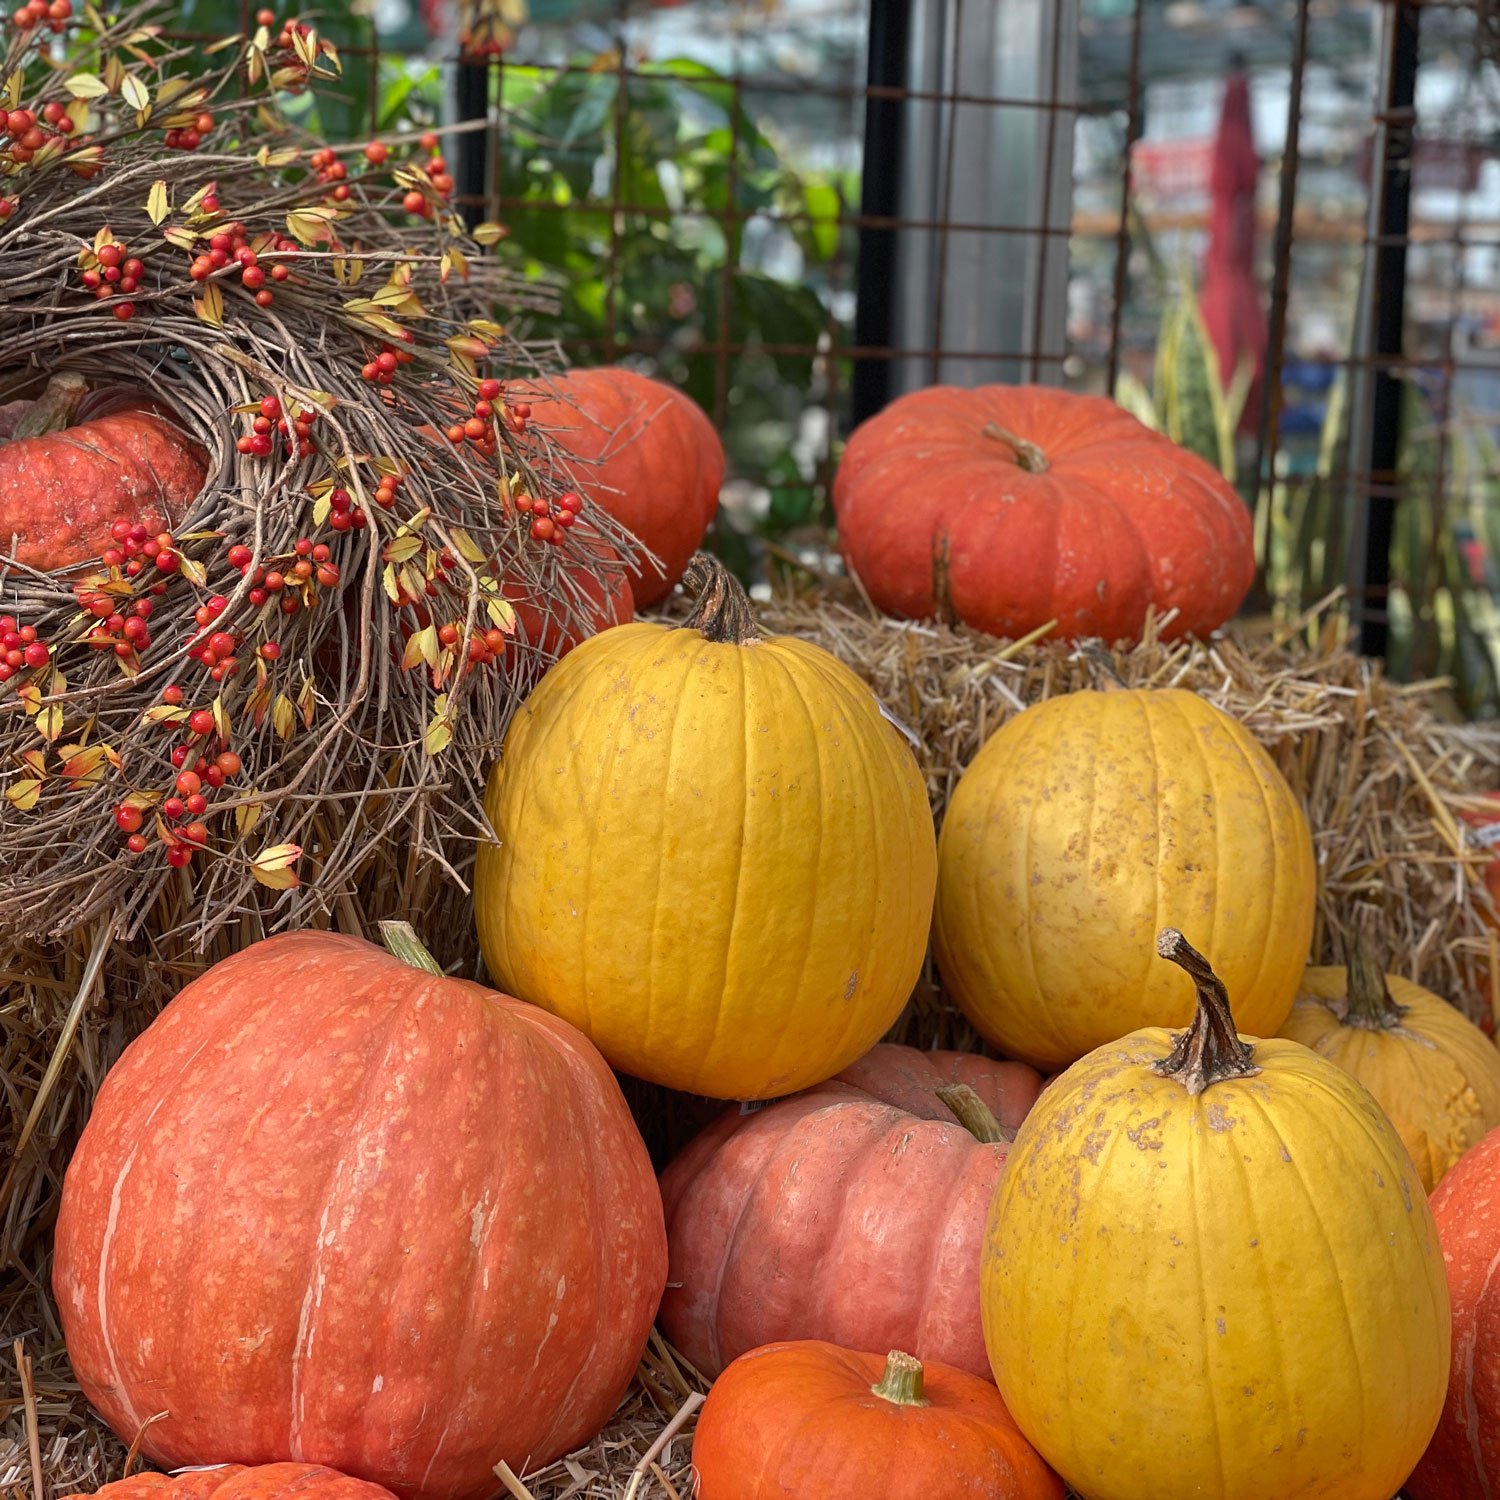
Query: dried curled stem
x=1210, y=1050
x=723, y=611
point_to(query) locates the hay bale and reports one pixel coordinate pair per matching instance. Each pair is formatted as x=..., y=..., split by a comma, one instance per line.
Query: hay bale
x=1383, y=774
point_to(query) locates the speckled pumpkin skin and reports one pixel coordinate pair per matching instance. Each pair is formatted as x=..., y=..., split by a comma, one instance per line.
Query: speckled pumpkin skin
x=330, y=1208
x=1082, y=825
x=1436, y=1074
x=1237, y=1294
x=1463, y=1460
x=939, y=519
x=236, y=1482
x=60, y=493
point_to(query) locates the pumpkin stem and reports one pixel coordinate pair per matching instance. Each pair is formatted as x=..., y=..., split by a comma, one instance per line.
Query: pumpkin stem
x=1028, y=455
x=55, y=408
x=1369, y=997
x=1098, y=655
x=1210, y=1050
x=973, y=1114
x=902, y=1381
x=401, y=941
x=723, y=610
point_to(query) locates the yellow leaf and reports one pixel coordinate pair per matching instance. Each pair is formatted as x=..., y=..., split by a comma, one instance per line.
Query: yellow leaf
x=309, y=225
x=413, y=582
x=307, y=701
x=184, y=239
x=194, y=571
x=247, y=814
x=13, y=86
x=135, y=93
x=86, y=86
x=402, y=549
x=321, y=507
x=114, y=73
x=422, y=646
x=273, y=867
x=488, y=233
x=439, y=733
x=36, y=760
x=255, y=61
x=24, y=793
x=502, y=614
x=222, y=721
x=164, y=713
x=485, y=328
x=389, y=584
x=158, y=205
x=468, y=548
x=210, y=306
x=172, y=88
x=283, y=716
x=86, y=765
x=49, y=722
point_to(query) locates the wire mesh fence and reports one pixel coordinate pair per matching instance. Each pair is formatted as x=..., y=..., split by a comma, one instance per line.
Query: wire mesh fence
x=795, y=209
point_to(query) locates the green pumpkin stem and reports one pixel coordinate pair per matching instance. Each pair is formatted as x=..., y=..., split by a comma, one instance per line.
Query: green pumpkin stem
x=1028, y=455
x=55, y=408
x=902, y=1381
x=722, y=612
x=401, y=941
x=1369, y=997
x=1210, y=1050
x=973, y=1114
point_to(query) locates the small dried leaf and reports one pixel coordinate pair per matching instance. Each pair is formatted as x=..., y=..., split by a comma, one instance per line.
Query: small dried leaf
x=248, y=813
x=222, y=722
x=283, y=716
x=194, y=571
x=184, y=239
x=321, y=508
x=86, y=86
x=439, y=734
x=158, y=205
x=49, y=722
x=401, y=549
x=488, y=233
x=30, y=697
x=307, y=701
x=389, y=584
x=13, y=87
x=422, y=646
x=114, y=73
x=502, y=614
x=165, y=713
x=210, y=306
x=468, y=548
x=84, y=765
x=274, y=867
x=36, y=761
x=24, y=793
x=135, y=94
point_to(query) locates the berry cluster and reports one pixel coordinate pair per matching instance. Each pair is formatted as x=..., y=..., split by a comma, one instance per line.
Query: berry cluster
x=420, y=204
x=135, y=547
x=332, y=171
x=230, y=247
x=549, y=523
x=54, y=14
x=491, y=407
x=291, y=580
x=20, y=648
x=28, y=133
x=269, y=418
x=128, y=634
x=190, y=137
x=109, y=270
x=382, y=369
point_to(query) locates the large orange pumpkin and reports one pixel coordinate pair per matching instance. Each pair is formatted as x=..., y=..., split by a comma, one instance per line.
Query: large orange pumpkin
x=236, y=1482
x=335, y=1209
x=649, y=456
x=1006, y=507
x=811, y=1421
x=1462, y=1461
x=854, y=1212
x=62, y=487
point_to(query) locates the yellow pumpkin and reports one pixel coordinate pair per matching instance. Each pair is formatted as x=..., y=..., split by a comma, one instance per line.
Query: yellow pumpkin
x=1210, y=1270
x=1075, y=828
x=715, y=855
x=1430, y=1068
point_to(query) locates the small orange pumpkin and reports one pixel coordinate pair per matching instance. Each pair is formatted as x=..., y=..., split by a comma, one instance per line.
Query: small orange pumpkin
x=237, y=1482
x=811, y=1421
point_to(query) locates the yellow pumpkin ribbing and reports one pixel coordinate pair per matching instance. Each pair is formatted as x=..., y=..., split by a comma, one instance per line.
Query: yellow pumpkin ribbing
x=1083, y=825
x=1434, y=1073
x=716, y=859
x=1238, y=1294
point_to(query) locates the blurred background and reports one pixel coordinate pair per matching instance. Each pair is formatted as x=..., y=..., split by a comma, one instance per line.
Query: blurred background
x=1271, y=229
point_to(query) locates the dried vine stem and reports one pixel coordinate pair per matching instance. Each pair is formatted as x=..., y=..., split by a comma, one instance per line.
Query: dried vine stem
x=362, y=727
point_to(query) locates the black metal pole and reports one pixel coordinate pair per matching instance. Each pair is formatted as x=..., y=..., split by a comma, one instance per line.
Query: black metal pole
x=1392, y=182
x=471, y=90
x=880, y=195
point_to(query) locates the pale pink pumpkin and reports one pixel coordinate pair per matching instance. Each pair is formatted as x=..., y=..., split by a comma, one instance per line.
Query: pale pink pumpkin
x=332, y=1208
x=853, y=1213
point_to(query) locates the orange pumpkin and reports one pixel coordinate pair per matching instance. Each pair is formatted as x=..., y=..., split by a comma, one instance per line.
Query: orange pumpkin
x=647, y=455
x=333, y=1208
x=62, y=487
x=1006, y=507
x=854, y=1212
x=811, y=1421
x=236, y=1482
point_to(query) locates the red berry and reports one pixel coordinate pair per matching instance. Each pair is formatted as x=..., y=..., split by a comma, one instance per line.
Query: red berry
x=495, y=640
x=172, y=694
x=253, y=277
x=179, y=855
x=172, y=807
x=413, y=202
x=257, y=597
x=239, y=556
x=201, y=721
x=125, y=311
x=37, y=654
x=168, y=561
x=570, y=502
x=265, y=297
x=229, y=763
x=188, y=783
x=270, y=650
x=328, y=575
x=542, y=529
x=475, y=427
x=128, y=817
x=197, y=804
x=136, y=843
x=449, y=634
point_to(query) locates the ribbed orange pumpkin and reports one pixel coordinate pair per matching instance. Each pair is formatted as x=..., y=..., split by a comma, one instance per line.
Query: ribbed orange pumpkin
x=236, y=1482
x=650, y=457
x=63, y=487
x=853, y=1213
x=810, y=1421
x=335, y=1209
x=1006, y=507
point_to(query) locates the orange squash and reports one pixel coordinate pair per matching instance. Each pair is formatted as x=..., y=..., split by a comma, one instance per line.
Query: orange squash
x=236, y=1482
